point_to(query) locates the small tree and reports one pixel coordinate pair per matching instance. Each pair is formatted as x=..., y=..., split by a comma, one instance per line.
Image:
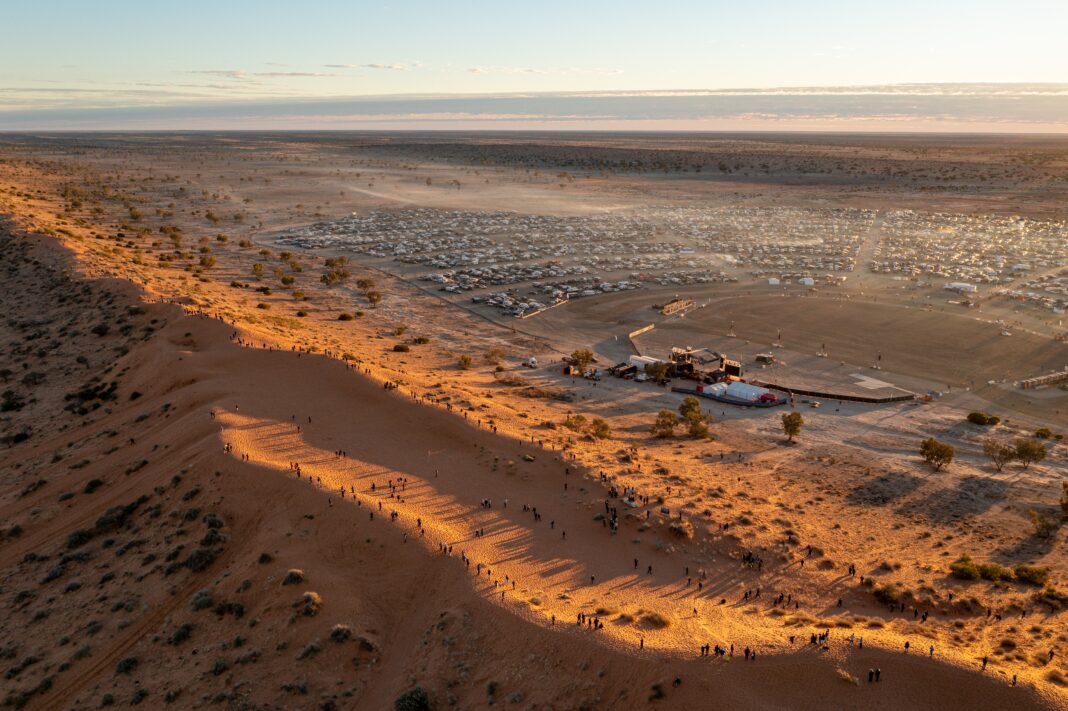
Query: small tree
x=791, y=424
x=600, y=429
x=998, y=452
x=582, y=359
x=664, y=427
x=575, y=422
x=374, y=299
x=464, y=362
x=689, y=407
x=493, y=356
x=1044, y=528
x=1030, y=451
x=697, y=426
x=937, y=454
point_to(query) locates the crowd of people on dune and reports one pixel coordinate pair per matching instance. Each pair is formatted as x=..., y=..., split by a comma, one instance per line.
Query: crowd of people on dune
x=396, y=489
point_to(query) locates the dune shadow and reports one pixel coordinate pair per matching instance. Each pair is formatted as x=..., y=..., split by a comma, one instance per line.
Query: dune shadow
x=971, y=496
x=883, y=490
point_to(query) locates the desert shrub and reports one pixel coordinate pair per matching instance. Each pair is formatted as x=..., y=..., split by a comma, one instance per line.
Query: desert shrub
x=575, y=422
x=11, y=401
x=421, y=340
x=340, y=633
x=1032, y=575
x=345, y=317
x=1054, y=598
x=886, y=594
x=92, y=485
x=230, y=608
x=964, y=568
x=937, y=454
x=664, y=426
x=995, y=572
x=219, y=667
x=401, y=348
x=600, y=429
x=310, y=650
x=78, y=538
x=1044, y=528
x=656, y=620
x=200, y=559
x=681, y=529
x=309, y=604
x=293, y=575
x=414, y=699
x=181, y=634
x=464, y=362
x=1043, y=433
x=126, y=665
x=302, y=314
x=265, y=558
x=980, y=418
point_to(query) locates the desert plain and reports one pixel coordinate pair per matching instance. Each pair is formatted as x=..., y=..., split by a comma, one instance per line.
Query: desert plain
x=270, y=439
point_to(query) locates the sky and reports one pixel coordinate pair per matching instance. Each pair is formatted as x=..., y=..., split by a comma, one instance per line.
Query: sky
x=104, y=64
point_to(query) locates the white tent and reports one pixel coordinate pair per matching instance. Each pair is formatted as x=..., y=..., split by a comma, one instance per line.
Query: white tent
x=744, y=391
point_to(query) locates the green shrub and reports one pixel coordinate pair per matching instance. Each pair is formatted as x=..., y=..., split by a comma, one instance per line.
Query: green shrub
x=886, y=594
x=414, y=699
x=964, y=568
x=126, y=665
x=181, y=634
x=78, y=538
x=1032, y=574
x=995, y=572
x=575, y=422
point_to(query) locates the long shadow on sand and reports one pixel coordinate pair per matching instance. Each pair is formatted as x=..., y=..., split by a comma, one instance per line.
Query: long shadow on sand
x=884, y=490
x=972, y=495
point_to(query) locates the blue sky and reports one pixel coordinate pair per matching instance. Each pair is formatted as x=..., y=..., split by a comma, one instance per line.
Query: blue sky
x=115, y=58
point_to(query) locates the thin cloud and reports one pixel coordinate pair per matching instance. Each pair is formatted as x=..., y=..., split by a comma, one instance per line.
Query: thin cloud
x=391, y=66
x=596, y=71
x=296, y=74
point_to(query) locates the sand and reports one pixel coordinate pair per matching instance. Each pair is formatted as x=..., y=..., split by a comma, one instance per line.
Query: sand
x=852, y=492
